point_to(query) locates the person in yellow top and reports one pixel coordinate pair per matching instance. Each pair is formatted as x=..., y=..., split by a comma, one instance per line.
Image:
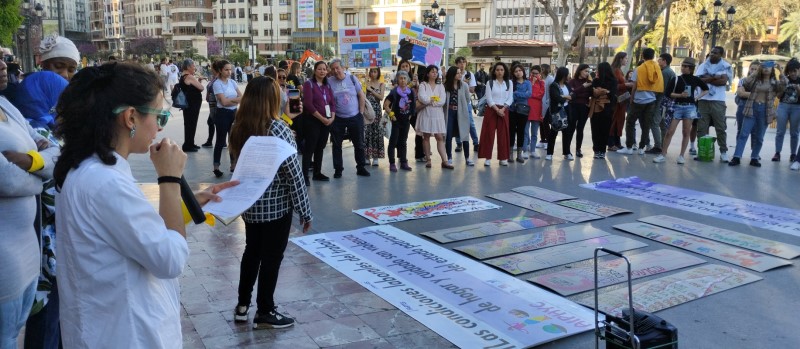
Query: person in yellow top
x=648, y=81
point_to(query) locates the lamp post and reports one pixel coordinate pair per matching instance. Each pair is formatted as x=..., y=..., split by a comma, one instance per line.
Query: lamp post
x=716, y=25
x=437, y=20
x=30, y=15
x=222, y=16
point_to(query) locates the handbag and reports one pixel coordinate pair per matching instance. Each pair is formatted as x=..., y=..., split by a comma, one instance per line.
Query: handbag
x=668, y=105
x=559, y=121
x=623, y=97
x=522, y=108
x=368, y=114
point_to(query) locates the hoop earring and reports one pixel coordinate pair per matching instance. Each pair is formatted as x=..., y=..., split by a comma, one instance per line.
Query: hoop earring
x=133, y=131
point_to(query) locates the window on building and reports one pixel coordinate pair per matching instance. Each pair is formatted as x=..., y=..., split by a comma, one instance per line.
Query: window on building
x=547, y=29
x=350, y=19
x=516, y=12
x=241, y=13
x=232, y=13
x=566, y=28
x=389, y=18
x=617, y=31
x=286, y=32
x=473, y=15
x=372, y=18
x=267, y=2
x=284, y=2
x=590, y=31
x=268, y=32
x=473, y=37
x=286, y=16
x=409, y=16
x=499, y=12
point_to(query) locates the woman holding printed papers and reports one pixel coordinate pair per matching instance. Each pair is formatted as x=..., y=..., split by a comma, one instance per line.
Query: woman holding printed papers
x=268, y=221
x=119, y=259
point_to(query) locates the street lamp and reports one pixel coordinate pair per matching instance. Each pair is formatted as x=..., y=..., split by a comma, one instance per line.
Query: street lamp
x=716, y=25
x=222, y=16
x=29, y=18
x=437, y=20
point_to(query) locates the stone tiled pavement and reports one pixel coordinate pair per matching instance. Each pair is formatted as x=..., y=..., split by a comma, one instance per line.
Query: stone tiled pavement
x=331, y=310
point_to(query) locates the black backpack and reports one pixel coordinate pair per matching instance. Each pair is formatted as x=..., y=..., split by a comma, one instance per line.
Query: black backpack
x=178, y=97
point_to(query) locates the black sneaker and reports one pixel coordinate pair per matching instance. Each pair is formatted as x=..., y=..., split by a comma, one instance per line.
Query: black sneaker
x=755, y=163
x=240, y=313
x=337, y=174
x=653, y=150
x=458, y=148
x=272, y=319
x=207, y=145
x=320, y=177
x=734, y=162
x=362, y=172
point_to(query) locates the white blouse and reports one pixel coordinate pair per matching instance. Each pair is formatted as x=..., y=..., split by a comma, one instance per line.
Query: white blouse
x=118, y=264
x=499, y=93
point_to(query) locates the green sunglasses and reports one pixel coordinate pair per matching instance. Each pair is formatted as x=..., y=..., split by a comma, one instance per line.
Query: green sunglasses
x=162, y=116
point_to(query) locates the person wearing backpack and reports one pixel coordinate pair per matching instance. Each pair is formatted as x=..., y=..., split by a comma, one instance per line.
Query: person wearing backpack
x=192, y=89
x=350, y=102
x=499, y=97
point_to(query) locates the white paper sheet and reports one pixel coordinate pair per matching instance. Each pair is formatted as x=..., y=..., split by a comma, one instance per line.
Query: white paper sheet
x=258, y=163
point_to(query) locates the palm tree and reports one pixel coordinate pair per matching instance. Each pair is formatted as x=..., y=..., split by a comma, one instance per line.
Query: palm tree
x=790, y=30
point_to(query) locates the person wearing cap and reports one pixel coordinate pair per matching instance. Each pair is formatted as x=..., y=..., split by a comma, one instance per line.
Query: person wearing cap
x=715, y=72
x=60, y=56
x=684, y=90
x=758, y=111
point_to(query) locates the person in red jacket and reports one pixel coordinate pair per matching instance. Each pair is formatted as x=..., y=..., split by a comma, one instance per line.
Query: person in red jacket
x=535, y=116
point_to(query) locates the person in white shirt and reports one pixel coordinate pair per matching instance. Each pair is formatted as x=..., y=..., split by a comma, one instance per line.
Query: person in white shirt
x=119, y=258
x=499, y=96
x=163, y=72
x=172, y=79
x=715, y=72
x=472, y=82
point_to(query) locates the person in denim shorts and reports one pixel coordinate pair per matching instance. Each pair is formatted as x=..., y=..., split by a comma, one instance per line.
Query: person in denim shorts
x=683, y=89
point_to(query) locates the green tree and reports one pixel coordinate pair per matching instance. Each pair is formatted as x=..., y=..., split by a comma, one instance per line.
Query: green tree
x=10, y=20
x=583, y=11
x=790, y=31
x=604, y=20
x=237, y=55
x=465, y=52
x=326, y=51
x=641, y=18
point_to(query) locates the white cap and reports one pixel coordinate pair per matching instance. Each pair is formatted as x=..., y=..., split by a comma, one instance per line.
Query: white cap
x=58, y=46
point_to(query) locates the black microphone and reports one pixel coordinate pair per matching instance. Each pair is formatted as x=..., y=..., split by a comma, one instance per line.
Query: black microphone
x=191, y=203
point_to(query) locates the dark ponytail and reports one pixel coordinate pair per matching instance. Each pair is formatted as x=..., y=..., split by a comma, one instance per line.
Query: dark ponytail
x=85, y=119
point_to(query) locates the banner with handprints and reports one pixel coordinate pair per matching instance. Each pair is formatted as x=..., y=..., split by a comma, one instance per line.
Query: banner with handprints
x=526, y=262
x=580, y=278
x=550, y=236
x=750, y=242
x=545, y=207
x=542, y=193
x=593, y=207
x=726, y=253
x=424, y=209
x=669, y=291
x=756, y=214
x=500, y=226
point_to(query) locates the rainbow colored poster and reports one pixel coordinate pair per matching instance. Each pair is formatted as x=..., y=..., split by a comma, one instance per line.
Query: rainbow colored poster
x=365, y=47
x=501, y=226
x=526, y=262
x=726, y=253
x=756, y=214
x=545, y=207
x=550, y=236
x=424, y=209
x=731, y=237
x=420, y=45
x=669, y=291
x=593, y=207
x=543, y=194
x=581, y=278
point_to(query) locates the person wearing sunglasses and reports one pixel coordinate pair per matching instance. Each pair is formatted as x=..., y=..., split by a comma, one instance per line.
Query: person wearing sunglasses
x=119, y=258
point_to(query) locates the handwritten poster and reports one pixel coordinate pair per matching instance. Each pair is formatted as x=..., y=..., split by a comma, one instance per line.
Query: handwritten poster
x=613, y=271
x=420, y=45
x=669, y=291
x=526, y=262
x=776, y=218
x=469, y=304
x=726, y=253
x=593, y=207
x=534, y=240
x=366, y=47
x=500, y=226
x=424, y=209
x=730, y=237
x=542, y=193
x=545, y=207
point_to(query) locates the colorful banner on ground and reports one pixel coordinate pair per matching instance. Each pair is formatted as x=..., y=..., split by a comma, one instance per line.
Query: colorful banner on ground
x=305, y=14
x=545, y=207
x=501, y=226
x=776, y=218
x=731, y=237
x=547, y=237
x=543, y=194
x=581, y=278
x=726, y=253
x=593, y=207
x=420, y=44
x=424, y=209
x=468, y=303
x=669, y=291
x=366, y=47
x=526, y=262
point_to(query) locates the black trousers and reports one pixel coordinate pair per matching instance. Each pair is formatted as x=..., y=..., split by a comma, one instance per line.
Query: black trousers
x=354, y=126
x=190, y=116
x=263, y=252
x=516, y=129
x=601, y=126
x=223, y=120
x=398, y=139
x=566, y=136
x=316, y=137
x=419, y=152
x=210, y=122
x=580, y=114
x=544, y=128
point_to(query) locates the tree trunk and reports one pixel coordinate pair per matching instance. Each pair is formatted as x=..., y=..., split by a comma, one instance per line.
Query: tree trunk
x=561, y=59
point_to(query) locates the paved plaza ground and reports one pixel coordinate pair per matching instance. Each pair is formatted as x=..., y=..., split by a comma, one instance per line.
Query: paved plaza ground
x=333, y=311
